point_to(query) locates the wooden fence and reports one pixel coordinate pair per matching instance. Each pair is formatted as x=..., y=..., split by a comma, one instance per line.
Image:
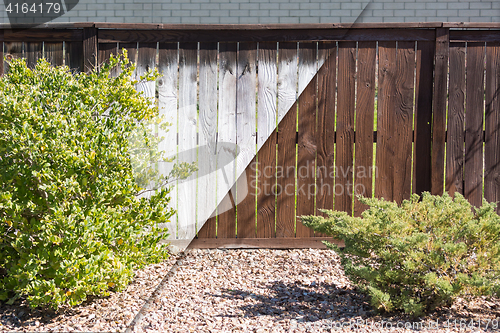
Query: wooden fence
x=316, y=112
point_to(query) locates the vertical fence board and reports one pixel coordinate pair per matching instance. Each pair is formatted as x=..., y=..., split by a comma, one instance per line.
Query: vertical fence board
x=13, y=50
x=246, y=136
x=105, y=51
x=439, y=110
x=403, y=120
x=306, y=156
x=385, y=117
x=364, y=123
x=345, y=126
x=54, y=53
x=325, y=134
x=423, y=117
x=287, y=77
x=146, y=60
x=455, y=134
x=89, y=49
x=266, y=139
x=74, y=56
x=287, y=124
x=188, y=121
x=167, y=105
x=32, y=52
x=226, y=221
x=474, y=123
x=207, y=202
x=492, y=118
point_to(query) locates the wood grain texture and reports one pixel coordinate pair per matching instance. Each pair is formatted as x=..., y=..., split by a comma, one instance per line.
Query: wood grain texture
x=168, y=63
x=105, y=51
x=287, y=77
x=32, y=52
x=246, y=136
x=13, y=50
x=456, y=121
x=188, y=123
x=73, y=57
x=53, y=52
x=325, y=133
x=146, y=60
x=131, y=53
x=263, y=243
x=287, y=117
x=439, y=110
x=89, y=49
x=266, y=139
x=423, y=117
x=207, y=202
x=364, y=123
x=265, y=35
x=345, y=126
x=226, y=220
x=473, y=167
x=492, y=119
x=385, y=116
x=306, y=155
x=403, y=121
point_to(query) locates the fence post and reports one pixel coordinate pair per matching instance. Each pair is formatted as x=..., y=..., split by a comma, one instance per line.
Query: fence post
x=439, y=109
x=89, y=49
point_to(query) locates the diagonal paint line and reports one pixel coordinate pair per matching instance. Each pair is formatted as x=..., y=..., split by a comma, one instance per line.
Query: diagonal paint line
x=243, y=160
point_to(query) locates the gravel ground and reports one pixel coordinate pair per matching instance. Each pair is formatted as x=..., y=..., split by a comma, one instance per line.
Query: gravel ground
x=246, y=291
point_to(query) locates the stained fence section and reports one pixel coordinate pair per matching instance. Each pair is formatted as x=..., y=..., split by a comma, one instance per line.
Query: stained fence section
x=282, y=126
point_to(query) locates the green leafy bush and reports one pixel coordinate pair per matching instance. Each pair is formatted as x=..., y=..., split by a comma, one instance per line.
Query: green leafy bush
x=419, y=255
x=71, y=224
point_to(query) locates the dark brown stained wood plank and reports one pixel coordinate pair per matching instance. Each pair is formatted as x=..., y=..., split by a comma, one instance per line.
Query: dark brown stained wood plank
x=476, y=36
x=423, y=117
x=473, y=167
x=89, y=49
x=33, y=52
x=209, y=229
x=403, y=120
x=439, y=110
x=146, y=60
x=364, y=123
x=325, y=133
x=267, y=190
x=263, y=243
x=13, y=50
x=106, y=36
x=266, y=140
x=456, y=130
x=385, y=120
x=46, y=35
x=492, y=118
x=226, y=220
x=306, y=157
x=54, y=53
x=73, y=55
x=246, y=90
x=105, y=51
x=208, y=132
x=285, y=172
x=471, y=25
x=345, y=126
x=131, y=52
x=49, y=26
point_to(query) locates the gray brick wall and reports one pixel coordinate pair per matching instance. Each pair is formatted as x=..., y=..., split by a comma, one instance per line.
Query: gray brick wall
x=278, y=11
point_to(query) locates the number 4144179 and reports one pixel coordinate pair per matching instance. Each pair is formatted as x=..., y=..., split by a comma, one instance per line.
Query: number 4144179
x=36, y=8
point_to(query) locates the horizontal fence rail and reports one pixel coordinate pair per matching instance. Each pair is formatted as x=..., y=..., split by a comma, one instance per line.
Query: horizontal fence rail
x=318, y=113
